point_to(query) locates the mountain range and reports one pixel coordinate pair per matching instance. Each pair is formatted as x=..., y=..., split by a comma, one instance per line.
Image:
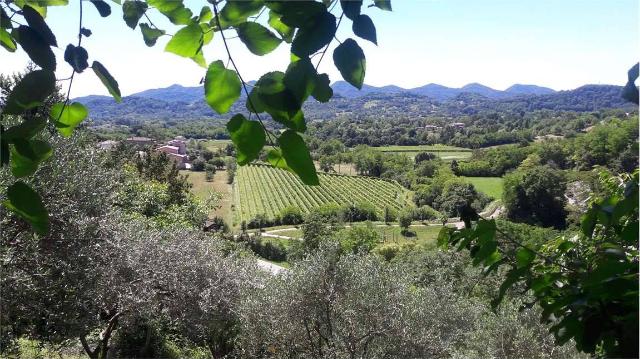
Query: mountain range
x=177, y=102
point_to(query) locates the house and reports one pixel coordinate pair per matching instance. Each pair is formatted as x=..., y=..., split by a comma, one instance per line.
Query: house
x=180, y=144
x=176, y=149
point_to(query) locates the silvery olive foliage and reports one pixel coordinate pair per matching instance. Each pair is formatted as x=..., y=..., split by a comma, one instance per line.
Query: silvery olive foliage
x=97, y=269
x=358, y=306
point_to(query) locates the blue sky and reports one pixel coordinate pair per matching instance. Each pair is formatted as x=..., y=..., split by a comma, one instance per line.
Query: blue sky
x=561, y=44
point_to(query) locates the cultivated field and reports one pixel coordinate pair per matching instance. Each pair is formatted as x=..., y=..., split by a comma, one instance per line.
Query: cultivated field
x=260, y=189
x=447, y=153
x=491, y=186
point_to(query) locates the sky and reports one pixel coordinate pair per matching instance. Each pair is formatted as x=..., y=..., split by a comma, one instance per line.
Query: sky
x=561, y=44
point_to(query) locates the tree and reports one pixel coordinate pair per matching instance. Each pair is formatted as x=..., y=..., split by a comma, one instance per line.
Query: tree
x=586, y=285
x=309, y=27
x=404, y=220
x=536, y=196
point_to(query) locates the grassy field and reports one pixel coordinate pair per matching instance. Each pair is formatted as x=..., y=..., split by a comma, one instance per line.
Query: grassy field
x=203, y=189
x=447, y=153
x=266, y=190
x=491, y=186
x=422, y=235
x=422, y=148
x=213, y=145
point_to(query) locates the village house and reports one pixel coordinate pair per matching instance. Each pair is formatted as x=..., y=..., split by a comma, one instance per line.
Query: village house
x=176, y=149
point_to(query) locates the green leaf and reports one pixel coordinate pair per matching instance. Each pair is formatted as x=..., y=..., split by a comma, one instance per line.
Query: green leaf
x=283, y=29
x=314, y=35
x=150, y=35
x=205, y=14
x=630, y=90
x=296, y=154
x=5, y=21
x=364, y=28
x=4, y=149
x=275, y=158
x=30, y=92
x=27, y=155
x=513, y=276
x=236, y=12
x=588, y=222
x=248, y=137
x=37, y=23
x=7, y=41
x=187, y=41
x=277, y=100
x=383, y=4
x=443, y=237
x=85, y=32
x=322, y=90
x=25, y=130
x=297, y=13
x=68, y=117
x=350, y=61
x=103, y=8
x=258, y=39
x=300, y=79
x=26, y=203
x=107, y=80
x=35, y=46
x=524, y=257
x=174, y=10
x=351, y=8
x=221, y=87
x=132, y=11
x=76, y=57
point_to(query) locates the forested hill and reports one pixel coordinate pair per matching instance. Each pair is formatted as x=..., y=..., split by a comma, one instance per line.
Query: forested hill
x=184, y=103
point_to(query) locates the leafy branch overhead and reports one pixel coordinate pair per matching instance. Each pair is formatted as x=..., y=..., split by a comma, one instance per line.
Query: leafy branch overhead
x=307, y=27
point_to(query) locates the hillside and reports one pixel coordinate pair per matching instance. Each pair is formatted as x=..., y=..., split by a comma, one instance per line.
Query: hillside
x=184, y=103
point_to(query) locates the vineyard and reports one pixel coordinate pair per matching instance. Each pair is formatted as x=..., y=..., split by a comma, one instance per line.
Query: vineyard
x=266, y=190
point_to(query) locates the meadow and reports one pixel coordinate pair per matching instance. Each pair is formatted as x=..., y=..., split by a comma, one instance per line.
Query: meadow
x=445, y=152
x=260, y=189
x=491, y=186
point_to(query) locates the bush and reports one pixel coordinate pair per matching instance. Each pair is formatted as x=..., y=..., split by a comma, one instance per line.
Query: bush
x=360, y=212
x=425, y=213
x=359, y=239
x=388, y=251
x=404, y=219
x=290, y=215
x=268, y=249
x=260, y=221
x=198, y=165
x=390, y=215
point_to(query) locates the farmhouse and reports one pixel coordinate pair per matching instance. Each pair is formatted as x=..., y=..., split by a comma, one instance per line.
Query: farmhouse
x=176, y=149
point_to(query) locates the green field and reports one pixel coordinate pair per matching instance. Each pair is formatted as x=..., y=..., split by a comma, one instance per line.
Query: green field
x=423, y=148
x=447, y=153
x=213, y=145
x=491, y=186
x=422, y=235
x=260, y=189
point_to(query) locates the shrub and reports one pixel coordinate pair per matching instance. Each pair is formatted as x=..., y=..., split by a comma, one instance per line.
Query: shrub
x=390, y=215
x=198, y=165
x=404, y=219
x=360, y=212
x=425, y=213
x=290, y=215
x=268, y=249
